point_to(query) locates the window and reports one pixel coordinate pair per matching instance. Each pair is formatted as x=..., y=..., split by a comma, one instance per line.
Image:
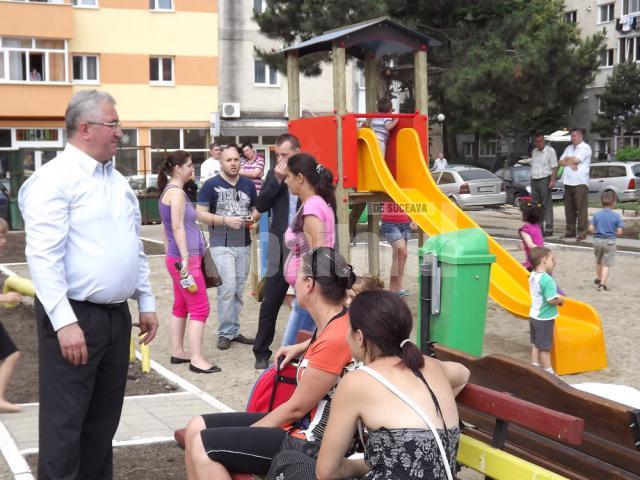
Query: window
x=259, y=6
x=194, y=140
x=85, y=3
x=617, y=171
x=606, y=58
x=33, y=60
x=602, y=149
x=571, y=17
x=606, y=13
x=445, y=178
x=265, y=75
x=599, y=103
x=629, y=49
x=630, y=6
x=166, y=5
x=161, y=70
x=85, y=69
x=127, y=156
x=598, y=172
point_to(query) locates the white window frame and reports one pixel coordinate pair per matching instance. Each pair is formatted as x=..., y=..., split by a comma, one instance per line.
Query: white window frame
x=84, y=69
x=267, y=72
x=171, y=82
x=609, y=55
x=608, y=9
x=571, y=16
x=599, y=104
x=81, y=4
x=37, y=144
x=630, y=6
x=156, y=7
x=630, y=45
x=181, y=145
x=42, y=51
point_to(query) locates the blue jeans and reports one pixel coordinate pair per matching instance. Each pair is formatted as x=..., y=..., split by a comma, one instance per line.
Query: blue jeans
x=233, y=264
x=299, y=319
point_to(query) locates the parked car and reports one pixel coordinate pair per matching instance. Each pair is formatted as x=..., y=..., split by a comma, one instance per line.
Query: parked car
x=517, y=183
x=470, y=186
x=142, y=184
x=623, y=178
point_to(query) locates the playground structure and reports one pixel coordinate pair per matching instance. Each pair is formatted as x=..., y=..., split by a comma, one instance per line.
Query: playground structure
x=364, y=176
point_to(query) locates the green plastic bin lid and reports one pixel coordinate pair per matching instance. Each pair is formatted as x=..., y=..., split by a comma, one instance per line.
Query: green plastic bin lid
x=466, y=246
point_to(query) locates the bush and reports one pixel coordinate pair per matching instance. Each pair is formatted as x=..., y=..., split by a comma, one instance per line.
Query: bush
x=628, y=154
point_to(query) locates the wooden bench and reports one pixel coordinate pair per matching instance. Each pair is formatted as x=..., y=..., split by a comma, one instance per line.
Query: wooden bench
x=610, y=438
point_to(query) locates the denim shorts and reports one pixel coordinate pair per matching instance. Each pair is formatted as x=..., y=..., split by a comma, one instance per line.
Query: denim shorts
x=396, y=231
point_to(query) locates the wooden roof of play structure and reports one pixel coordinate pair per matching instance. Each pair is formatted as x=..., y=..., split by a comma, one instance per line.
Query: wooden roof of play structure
x=380, y=35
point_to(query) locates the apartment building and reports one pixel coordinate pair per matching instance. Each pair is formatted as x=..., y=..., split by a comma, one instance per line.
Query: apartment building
x=158, y=58
x=253, y=96
x=620, y=20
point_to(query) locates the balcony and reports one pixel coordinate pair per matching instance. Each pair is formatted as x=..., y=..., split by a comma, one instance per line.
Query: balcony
x=50, y=19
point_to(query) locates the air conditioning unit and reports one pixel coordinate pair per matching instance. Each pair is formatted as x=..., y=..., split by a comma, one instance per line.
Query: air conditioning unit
x=230, y=110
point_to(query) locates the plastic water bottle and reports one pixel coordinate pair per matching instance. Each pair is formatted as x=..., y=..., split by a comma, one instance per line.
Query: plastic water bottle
x=187, y=280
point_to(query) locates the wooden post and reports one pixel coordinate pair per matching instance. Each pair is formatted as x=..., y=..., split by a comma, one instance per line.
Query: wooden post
x=373, y=226
x=422, y=93
x=293, y=82
x=371, y=76
x=338, y=57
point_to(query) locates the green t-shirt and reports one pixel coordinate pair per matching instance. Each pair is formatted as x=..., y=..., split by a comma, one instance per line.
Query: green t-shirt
x=543, y=288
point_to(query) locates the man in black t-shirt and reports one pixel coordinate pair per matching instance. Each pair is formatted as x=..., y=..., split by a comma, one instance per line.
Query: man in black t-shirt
x=231, y=198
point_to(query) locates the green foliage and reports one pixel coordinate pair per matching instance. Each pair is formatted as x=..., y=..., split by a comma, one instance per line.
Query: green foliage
x=506, y=66
x=620, y=101
x=628, y=154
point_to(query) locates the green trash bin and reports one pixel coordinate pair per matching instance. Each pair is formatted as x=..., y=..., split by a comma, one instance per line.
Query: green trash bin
x=456, y=311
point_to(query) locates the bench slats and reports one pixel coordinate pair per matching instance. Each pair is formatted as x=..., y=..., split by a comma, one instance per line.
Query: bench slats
x=559, y=426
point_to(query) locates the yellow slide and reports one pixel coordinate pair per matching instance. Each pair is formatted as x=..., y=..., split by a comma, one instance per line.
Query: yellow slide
x=578, y=344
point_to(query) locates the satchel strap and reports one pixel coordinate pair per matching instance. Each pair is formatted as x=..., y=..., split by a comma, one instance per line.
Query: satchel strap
x=402, y=396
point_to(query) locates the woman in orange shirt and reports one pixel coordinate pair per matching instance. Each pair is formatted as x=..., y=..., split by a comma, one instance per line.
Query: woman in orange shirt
x=240, y=442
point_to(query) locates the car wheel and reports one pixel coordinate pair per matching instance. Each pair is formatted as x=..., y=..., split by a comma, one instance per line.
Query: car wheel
x=617, y=199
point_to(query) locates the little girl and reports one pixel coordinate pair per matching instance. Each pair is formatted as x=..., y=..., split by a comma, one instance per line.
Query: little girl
x=364, y=283
x=530, y=232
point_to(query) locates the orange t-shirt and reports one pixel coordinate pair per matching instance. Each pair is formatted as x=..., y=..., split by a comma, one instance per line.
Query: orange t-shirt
x=330, y=353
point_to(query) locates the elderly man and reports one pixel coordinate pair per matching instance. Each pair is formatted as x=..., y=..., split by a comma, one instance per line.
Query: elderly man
x=576, y=159
x=544, y=165
x=86, y=259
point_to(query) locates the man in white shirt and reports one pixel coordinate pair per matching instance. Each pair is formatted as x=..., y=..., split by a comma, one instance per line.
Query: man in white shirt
x=440, y=163
x=86, y=259
x=576, y=159
x=211, y=166
x=544, y=166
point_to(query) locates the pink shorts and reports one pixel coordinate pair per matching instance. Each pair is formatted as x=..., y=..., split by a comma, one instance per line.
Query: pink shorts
x=196, y=305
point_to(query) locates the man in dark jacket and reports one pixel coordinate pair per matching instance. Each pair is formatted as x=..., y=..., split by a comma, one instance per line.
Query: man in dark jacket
x=275, y=196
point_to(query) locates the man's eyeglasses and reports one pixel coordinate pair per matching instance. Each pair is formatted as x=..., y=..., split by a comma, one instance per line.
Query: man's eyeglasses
x=112, y=125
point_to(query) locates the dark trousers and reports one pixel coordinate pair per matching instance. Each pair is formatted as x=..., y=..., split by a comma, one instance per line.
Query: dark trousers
x=275, y=290
x=576, y=208
x=80, y=405
x=541, y=193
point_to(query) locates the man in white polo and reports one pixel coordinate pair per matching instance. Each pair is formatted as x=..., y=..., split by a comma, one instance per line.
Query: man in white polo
x=576, y=159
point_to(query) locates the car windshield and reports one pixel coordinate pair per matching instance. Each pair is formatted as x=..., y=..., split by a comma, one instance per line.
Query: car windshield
x=476, y=174
x=521, y=175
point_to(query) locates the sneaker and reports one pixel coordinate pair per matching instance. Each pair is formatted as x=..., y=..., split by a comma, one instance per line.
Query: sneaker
x=602, y=287
x=597, y=281
x=261, y=364
x=223, y=343
x=243, y=340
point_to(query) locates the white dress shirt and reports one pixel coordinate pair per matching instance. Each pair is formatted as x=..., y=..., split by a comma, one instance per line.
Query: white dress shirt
x=581, y=175
x=543, y=162
x=209, y=168
x=440, y=164
x=82, y=223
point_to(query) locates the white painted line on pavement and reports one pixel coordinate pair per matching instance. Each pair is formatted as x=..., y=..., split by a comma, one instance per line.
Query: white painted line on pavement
x=151, y=240
x=6, y=270
x=15, y=460
x=142, y=441
x=188, y=386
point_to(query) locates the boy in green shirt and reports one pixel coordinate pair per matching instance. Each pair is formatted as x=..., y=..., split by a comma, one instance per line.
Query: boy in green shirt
x=544, y=306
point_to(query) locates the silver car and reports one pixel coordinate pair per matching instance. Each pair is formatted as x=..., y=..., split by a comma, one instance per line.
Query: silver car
x=623, y=178
x=471, y=186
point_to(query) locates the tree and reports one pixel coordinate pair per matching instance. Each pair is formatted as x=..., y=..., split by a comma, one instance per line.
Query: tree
x=506, y=66
x=620, y=102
